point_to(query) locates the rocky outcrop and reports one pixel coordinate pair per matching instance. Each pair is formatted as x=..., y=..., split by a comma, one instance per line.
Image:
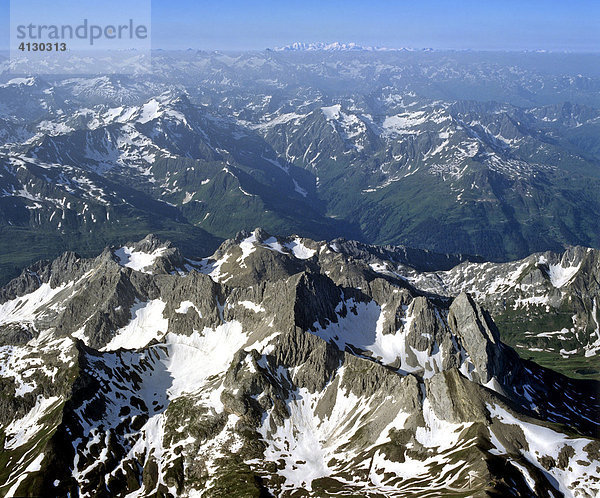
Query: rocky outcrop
x=479, y=336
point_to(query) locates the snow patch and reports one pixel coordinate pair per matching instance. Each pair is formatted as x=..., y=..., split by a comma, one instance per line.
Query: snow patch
x=192, y=359
x=299, y=249
x=137, y=260
x=147, y=323
x=560, y=276
x=252, y=306
x=185, y=306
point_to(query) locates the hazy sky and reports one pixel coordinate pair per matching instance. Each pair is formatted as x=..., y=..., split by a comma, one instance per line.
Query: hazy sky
x=483, y=24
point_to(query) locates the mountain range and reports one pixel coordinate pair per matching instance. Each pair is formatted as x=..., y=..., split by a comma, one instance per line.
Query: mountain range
x=279, y=366
x=336, y=47
x=417, y=316
x=394, y=148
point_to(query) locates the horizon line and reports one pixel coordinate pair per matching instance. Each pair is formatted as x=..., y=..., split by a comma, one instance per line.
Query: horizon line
x=365, y=49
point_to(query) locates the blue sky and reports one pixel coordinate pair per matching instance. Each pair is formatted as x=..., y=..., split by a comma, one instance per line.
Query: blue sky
x=258, y=24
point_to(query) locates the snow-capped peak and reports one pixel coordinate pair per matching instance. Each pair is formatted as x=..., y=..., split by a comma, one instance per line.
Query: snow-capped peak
x=339, y=47
x=332, y=47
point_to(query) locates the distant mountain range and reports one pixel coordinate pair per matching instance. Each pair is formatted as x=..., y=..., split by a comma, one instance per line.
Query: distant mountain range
x=351, y=46
x=340, y=47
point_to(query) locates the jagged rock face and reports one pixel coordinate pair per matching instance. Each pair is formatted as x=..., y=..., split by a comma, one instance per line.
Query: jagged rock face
x=480, y=336
x=278, y=366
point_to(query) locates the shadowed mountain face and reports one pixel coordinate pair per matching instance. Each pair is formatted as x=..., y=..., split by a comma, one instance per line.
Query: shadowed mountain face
x=280, y=366
x=487, y=154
